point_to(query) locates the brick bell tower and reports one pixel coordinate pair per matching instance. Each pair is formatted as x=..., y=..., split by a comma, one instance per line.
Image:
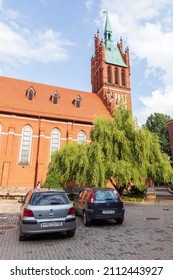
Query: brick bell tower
x=110, y=70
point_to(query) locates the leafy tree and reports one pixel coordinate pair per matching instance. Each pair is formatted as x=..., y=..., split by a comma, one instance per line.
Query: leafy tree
x=119, y=151
x=157, y=123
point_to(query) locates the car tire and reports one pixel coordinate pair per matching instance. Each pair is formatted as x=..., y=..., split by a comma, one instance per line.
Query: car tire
x=119, y=221
x=86, y=219
x=70, y=233
x=22, y=237
x=77, y=214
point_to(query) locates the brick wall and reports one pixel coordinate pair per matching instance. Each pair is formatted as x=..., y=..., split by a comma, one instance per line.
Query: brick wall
x=13, y=174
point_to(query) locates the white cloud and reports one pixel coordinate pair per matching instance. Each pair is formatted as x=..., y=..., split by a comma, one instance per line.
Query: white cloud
x=89, y=5
x=160, y=101
x=20, y=44
x=40, y=46
x=147, y=26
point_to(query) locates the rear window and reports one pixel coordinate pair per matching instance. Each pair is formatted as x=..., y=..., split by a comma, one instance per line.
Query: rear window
x=49, y=199
x=106, y=195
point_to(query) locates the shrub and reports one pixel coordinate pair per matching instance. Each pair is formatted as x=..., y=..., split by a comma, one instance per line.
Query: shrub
x=52, y=181
x=138, y=190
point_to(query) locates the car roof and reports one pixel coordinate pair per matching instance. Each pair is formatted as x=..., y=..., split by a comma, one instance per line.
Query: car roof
x=99, y=189
x=43, y=190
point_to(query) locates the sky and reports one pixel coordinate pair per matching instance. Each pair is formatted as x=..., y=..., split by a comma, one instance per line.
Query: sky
x=52, y=41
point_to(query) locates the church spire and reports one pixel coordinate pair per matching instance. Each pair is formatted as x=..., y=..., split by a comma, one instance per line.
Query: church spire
x=110, y=70
x=108, y=30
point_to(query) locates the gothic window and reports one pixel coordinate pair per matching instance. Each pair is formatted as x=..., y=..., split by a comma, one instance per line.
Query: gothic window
x=100, y=77
x=109, y=74
x=118, y=98
x=124, y=99
x=123, y=77
x=81, y=137
x=98, y=85
x=55, y=98
x=25, y=146
x=116, y=76
x=94, y=84
x=55, y=140
x=77, y=101
x=115, y=96
x=30, y=93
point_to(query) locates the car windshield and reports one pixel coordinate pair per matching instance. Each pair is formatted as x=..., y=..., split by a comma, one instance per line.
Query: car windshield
x=106, y=195
x=49, y=199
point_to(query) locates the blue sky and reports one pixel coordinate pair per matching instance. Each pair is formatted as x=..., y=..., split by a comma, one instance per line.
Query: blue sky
x=52, y=41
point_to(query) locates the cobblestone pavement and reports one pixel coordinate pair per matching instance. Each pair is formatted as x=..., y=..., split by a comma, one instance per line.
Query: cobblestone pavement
x=145, y=234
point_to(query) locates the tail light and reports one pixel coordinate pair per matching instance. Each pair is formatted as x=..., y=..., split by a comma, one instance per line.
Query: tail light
x=71, y=211
x=27, y=213
x=91, y=198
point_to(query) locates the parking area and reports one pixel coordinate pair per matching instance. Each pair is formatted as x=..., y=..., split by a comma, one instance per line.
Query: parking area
x=145, y=234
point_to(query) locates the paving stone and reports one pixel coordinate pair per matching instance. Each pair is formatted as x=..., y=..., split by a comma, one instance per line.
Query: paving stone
x=137, y=238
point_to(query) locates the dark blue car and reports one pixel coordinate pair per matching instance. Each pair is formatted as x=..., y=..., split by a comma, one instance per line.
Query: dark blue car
x=99, y=204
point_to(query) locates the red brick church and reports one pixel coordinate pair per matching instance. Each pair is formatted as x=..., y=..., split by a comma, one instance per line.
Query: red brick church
x=37, y=119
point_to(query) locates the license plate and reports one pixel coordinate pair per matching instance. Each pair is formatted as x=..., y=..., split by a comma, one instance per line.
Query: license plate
x=108, y=211
x=51, y=224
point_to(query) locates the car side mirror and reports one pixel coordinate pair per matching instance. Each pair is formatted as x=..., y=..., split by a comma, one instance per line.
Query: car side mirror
x=21, y=201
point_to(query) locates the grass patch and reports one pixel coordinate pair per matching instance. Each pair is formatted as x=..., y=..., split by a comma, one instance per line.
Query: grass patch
x=132, y=197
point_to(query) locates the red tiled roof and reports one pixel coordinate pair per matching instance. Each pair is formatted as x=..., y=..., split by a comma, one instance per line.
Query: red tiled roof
x=13, y=100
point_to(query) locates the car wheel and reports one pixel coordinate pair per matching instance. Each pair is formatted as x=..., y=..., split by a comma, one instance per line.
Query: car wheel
x=70, y=233
x=22, y=237
x=77, y=214
x=86, y=219
x=119, y=221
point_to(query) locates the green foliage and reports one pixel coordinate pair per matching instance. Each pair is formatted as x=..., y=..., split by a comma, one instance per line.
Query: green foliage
x=119, y=151
x=170, y=186
x=157, y=124
x=139, y=190
x=53, y=181
x=96, y=168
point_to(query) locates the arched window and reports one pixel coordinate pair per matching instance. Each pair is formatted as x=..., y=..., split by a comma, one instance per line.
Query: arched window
x=55, y=98
x=25, y=146
x=123, y=77
x=100, y=77
x=30, y=93
x=55, y=140
x=116, y=76
x=77, y=101
x=81, y=137
x=109, y=74
x=118, y=98
x=124, y=99
x=94, y=84
x=98, y=84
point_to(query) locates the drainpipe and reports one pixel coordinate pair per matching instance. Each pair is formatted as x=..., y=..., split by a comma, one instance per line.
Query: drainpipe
x=37, y=153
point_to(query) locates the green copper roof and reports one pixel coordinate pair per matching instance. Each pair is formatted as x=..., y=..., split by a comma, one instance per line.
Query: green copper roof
x=107, y=24
x=113, y=55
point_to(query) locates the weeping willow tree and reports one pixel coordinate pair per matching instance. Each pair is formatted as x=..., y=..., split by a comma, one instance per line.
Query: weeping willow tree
x=119, y=151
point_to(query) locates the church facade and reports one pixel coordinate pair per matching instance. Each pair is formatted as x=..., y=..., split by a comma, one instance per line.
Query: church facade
x=37, y=119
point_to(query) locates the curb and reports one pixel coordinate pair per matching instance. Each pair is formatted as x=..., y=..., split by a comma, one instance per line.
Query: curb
x=169, y=190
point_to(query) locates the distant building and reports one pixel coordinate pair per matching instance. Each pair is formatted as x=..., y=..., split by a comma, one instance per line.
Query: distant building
x=37, y=119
